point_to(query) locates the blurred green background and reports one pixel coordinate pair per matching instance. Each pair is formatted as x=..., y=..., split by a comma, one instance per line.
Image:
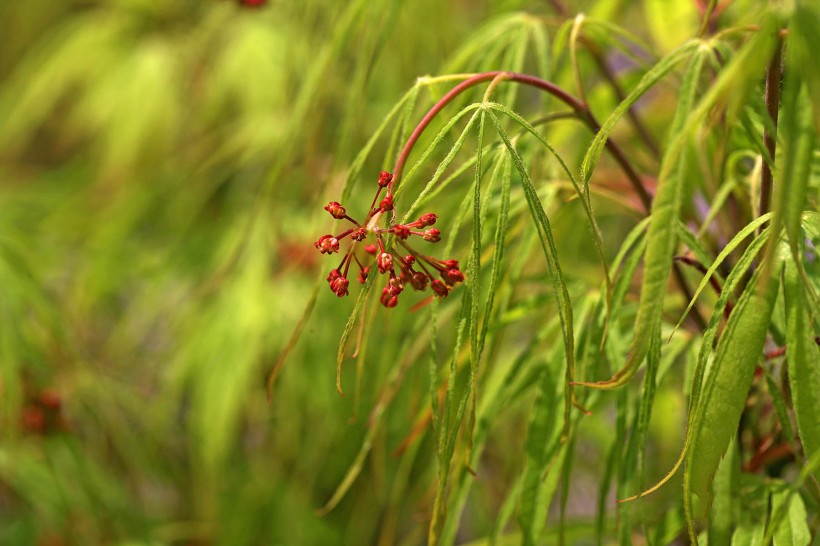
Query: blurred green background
x=163, y=168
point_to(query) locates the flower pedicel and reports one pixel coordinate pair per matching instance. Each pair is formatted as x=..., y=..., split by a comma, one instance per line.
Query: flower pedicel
x=398, y=259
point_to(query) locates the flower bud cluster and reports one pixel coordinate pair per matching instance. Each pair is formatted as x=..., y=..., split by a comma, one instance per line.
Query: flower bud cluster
x=392, y=257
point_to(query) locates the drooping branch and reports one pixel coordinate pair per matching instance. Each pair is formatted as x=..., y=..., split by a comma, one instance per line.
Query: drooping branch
x=580, y=108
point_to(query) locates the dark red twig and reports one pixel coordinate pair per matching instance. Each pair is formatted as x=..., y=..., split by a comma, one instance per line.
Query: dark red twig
x=770, y=137
x=780, y=351
x=692, y=262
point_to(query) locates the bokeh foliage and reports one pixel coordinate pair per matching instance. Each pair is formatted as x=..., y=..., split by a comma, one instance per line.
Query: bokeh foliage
x=163, y=169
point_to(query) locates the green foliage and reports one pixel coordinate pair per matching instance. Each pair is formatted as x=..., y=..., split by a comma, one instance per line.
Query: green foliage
x=632, y=302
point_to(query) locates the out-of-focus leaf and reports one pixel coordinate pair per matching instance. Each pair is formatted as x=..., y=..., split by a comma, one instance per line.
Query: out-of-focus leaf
x=727, y=383
x=722, y=512
x=136, y=107
x=792, y=529
x=661, y=237
x=649, y=80
x=798, y=143
x=670, y=22
x=804, y=43
x=803, y=356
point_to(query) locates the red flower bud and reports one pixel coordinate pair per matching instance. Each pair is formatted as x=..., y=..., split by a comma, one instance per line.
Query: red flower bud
x=334, y=274
x=401, y=231
x=50, y=399
x=394, y=286
x=432, y=235
x=427, y=219
x=450, y=264
x=370, y=249
x=452, y=276
x=33, y=419
x=385, y=262
x=327, y=244
x=386, y=203
x=339, y=286
x=336, y=210
x=359, y=234
x=385, y=178
x=419, y=280
x=387, y=299
x=439, y=288
x=409, y=259
x=363, y=274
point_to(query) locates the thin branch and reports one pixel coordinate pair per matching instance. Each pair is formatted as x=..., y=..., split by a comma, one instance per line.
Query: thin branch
x=688, y=260
x=770, y=138
x=780, y=351
x=609, y=75
x=579, y=107
x=632, y=114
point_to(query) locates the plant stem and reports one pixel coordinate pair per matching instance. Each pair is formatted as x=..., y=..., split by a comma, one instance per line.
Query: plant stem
x=770, y=138
x=579, y=107
x=712, y=280
x=609, y=75
x=632, y=114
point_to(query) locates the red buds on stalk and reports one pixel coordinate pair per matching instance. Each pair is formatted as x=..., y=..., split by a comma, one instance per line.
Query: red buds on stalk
x=427, y=219
x=336, y=210
x=411, y=268
x=385, y=178
x=339, y=286
x=432, y=235
x=327, y=244
x=385, y=262
x=400, y=231
x=386, y=203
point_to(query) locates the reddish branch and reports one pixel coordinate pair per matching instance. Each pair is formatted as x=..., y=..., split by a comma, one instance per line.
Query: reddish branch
x=688, y=260
x=609, y=75
x=780, y=351
x=770, y=137
x=580, y=109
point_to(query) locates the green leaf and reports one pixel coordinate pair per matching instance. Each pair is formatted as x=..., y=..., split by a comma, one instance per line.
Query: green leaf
x=803, y=357
x=726, y=385
x=539, y=450
x=661, y=236
x=348, y=329
x=474, y=276
x=792, y=529
x=749, y=535
x=411, y=347
x=722, y=513
x=583, y=194
x=498, y=246
x=804, y=43
x=559, y=286
x=741, y=235
x=448, y=159
x=652, y=77
x=798, y=140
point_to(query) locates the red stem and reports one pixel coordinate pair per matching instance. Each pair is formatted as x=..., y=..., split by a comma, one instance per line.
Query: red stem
x=579, y=107
x=770, y=137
